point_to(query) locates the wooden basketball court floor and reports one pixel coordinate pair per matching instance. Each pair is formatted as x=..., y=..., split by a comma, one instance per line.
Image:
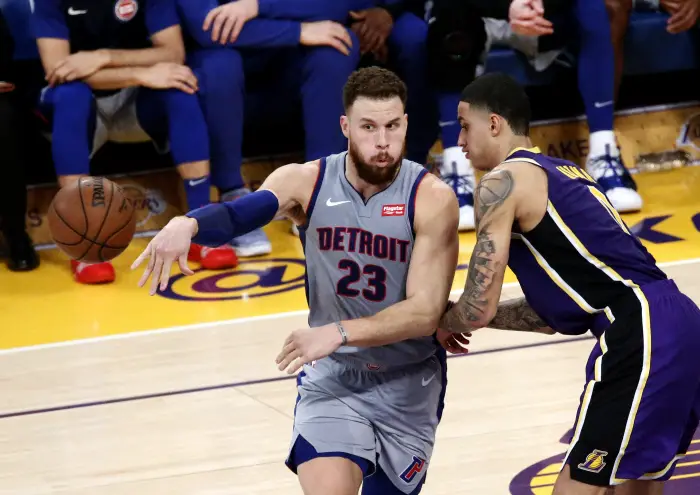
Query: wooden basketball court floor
x=107, y=391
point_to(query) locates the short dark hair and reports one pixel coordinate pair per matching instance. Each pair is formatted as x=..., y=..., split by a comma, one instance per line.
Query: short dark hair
x=500, y=94
x=375, y=83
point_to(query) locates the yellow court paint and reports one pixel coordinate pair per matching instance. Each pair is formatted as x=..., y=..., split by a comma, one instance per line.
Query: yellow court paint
x=47, y=306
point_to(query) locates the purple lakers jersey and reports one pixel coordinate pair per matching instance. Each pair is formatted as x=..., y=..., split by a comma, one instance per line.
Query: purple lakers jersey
x=581, y=258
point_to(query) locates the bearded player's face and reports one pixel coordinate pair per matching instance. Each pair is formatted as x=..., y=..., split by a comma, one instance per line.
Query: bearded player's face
x=376, y=132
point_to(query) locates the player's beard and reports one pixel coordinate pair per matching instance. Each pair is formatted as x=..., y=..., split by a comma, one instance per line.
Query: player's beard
x=374, y=174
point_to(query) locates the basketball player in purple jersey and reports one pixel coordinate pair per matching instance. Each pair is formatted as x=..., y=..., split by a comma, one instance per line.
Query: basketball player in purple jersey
x=580, y=269
x=380, y=239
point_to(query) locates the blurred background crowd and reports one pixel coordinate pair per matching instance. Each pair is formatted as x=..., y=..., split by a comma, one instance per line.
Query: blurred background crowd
x=121, y=86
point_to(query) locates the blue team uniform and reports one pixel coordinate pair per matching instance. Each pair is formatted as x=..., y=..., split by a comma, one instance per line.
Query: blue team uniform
x=84, y=119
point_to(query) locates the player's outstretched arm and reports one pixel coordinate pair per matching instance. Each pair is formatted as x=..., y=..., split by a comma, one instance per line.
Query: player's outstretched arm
x=494, y=204
x=286, y=191
x=430, y=275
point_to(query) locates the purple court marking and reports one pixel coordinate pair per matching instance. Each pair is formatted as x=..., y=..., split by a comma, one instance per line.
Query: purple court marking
x=134, y=398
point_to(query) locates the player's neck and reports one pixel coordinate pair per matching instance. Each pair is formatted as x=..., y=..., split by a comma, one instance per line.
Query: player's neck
x=363, y=187
x=513, y=143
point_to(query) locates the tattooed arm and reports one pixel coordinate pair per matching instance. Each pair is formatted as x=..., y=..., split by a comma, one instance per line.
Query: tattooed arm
x=516, y=314
x=494, y=206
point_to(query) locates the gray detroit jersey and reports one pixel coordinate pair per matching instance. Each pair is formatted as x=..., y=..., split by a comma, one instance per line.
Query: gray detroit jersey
x=357, y=257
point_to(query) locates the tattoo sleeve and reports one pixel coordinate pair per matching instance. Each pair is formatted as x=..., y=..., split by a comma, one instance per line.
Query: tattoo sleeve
x=516, y=314
x=472, y=308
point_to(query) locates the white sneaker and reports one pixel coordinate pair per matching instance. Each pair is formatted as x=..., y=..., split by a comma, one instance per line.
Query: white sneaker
x=609, y=172
x=458, y=173
x=254, y=243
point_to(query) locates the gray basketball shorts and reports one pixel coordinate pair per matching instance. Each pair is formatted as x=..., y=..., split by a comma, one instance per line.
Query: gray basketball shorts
x=378, y=419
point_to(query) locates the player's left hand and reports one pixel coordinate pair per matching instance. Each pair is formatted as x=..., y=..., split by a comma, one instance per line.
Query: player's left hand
x=454, y=343
x=306, y=345
x=226, y=21
x=78, y=66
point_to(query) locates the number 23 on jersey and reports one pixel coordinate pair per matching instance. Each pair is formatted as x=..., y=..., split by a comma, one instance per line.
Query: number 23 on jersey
x=368, y=281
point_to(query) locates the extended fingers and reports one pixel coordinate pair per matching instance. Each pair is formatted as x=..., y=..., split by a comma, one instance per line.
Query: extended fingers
x=289, y=353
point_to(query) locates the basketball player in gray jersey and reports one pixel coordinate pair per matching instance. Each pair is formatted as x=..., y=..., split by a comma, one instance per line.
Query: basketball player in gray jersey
x=380, y=239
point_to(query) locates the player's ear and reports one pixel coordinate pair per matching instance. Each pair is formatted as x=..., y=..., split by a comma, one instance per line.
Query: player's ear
x=344, y=125
x=496, y=124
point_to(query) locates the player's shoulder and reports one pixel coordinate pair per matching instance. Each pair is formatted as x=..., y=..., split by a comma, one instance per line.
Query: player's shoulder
x=434, y=191
x=301, y=172
x=510, y=177
x=435, y=200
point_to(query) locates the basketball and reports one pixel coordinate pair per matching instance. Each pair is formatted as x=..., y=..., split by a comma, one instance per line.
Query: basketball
x=92, y=220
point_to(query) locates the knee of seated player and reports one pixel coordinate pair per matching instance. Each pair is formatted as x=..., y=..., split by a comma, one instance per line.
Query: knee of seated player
x=75, y=98
x=592, y=20
x=192, y=14
x=328, y=60
x=330, y=476
x=408, y=38
x=567, y=486
x=219, y=71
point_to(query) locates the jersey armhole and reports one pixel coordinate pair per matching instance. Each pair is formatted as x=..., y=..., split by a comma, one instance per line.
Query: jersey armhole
x=412, y=199
x=314, y=193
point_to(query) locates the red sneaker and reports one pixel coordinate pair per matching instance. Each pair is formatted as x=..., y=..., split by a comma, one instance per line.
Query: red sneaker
x=92, y=273
x=217, y=258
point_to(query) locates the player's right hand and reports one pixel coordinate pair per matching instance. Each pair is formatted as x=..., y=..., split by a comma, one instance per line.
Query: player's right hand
x=373, y=27
x=526, y=17
x=77, y=66
x=684, y=14
x=170, y=244
x=326, y=33
x=167, y=75
x=454, y=343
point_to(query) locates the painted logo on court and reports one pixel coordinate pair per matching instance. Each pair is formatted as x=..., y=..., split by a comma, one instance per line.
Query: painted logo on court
x=252, y=278
x=539, y=478
x=148, y=203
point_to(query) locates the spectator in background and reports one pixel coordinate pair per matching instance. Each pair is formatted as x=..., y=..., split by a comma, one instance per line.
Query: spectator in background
x=289, y=50
x=436, y=62
x=115, y=72
x=13, y=190
x=393, y=35
x=596, y=77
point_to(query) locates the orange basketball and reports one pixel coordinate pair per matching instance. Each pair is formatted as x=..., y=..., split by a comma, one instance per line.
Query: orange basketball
x=92, y=220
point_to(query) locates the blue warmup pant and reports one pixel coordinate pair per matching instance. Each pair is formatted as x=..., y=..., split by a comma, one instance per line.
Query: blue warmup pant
x=310, y=78
x=221, y=94
x=164, y=115
x=279, y=81
x=596, y=63
x=409, y=58
x=586, y=27
x=449, y=125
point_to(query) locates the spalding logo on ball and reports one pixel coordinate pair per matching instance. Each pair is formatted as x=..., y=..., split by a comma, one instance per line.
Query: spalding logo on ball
x=92, y=220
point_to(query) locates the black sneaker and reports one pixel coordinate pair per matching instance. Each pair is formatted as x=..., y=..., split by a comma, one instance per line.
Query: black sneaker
x=22, y=256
